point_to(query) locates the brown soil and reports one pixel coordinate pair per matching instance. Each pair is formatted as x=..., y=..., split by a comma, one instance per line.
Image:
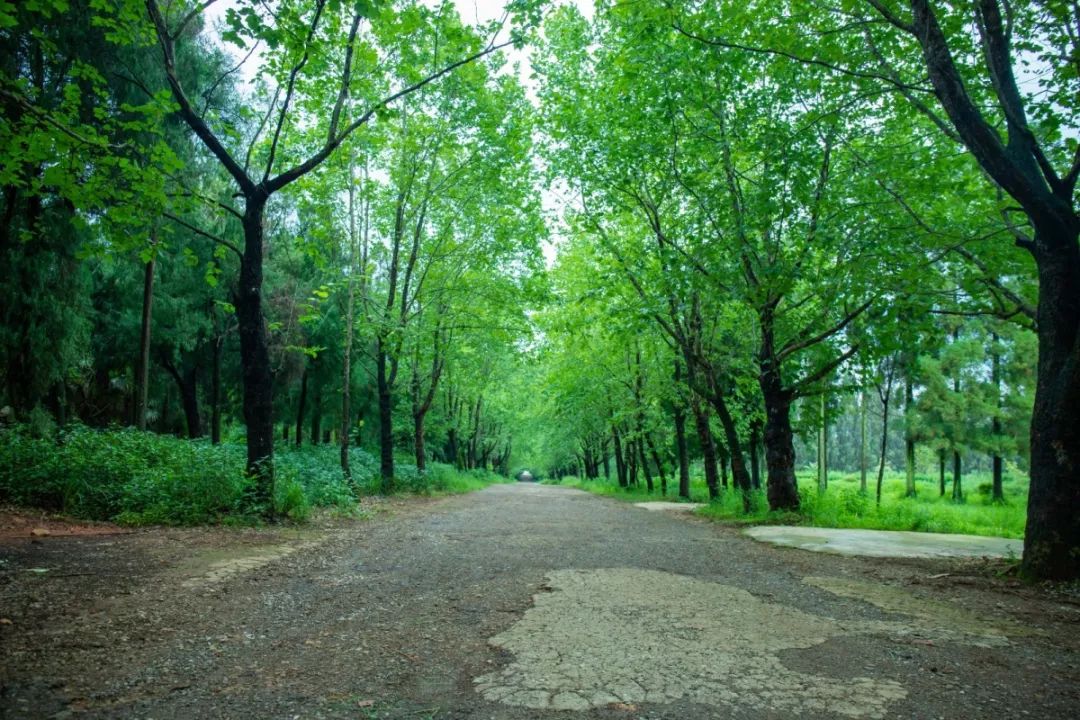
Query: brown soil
x=517, y=602
x=16, y=523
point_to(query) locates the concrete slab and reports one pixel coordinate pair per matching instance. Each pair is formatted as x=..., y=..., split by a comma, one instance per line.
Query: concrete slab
x=669, y=506
x=886, y=543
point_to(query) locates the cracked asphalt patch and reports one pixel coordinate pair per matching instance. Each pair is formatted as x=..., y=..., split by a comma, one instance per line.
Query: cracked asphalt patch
x=598, y=637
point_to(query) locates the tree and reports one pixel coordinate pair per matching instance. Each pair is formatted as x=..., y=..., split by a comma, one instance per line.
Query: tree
x=295, y=38
x=1015, y=137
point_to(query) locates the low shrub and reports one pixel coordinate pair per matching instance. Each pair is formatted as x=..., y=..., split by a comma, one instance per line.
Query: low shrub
x=139, y=478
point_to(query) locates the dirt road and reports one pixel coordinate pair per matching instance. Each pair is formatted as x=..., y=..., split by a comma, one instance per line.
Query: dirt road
x=520, y=601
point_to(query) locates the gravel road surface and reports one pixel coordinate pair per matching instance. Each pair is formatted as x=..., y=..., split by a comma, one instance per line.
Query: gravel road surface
x=520, y=601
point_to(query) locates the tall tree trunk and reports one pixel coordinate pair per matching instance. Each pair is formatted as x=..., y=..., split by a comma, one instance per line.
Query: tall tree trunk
x=755, y=454
x=300, y=408
x=708, y=448
x=452, y=447
x=957, y=490
x=998, y=492
x=680, y=434
x=644, y=465
x=722, y=459
x=188, y=385
x=941, y=472
x=909, y=439
x=739, y=474
x=620, y=462
x=659, y=465
x=317, y=432
x=350, y=320
x=142, y=379
x=781, y=485
x=386, y=429
x=1053, y=526
x=682, y=451
x=258, y=379
x=822, y=448
x=418, y=441
x=884, y=442
x=862, y=442
x=215, y=390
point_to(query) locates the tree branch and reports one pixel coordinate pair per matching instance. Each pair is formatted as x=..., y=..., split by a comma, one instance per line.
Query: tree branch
x=208, y=236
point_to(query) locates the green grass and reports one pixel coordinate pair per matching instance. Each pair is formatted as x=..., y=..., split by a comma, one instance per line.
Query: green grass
x=138, y=478
x=843, y=506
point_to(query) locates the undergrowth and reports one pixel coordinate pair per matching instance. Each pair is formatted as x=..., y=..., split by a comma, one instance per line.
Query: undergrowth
x=844, y=506
x=140, y=478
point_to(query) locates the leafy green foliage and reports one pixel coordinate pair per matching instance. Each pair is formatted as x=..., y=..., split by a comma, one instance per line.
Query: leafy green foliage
x=136, y=478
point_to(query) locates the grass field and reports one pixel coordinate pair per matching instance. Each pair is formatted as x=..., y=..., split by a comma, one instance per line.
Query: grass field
x=843, y=506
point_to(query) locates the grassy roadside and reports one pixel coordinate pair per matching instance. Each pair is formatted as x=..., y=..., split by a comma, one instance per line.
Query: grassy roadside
x=843, y=506
x=138, y=478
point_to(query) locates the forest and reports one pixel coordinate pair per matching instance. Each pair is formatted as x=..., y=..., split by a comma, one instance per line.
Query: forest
x=769, y=255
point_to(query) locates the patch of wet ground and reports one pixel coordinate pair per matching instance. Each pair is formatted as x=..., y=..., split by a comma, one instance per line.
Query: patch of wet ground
x=428, y=610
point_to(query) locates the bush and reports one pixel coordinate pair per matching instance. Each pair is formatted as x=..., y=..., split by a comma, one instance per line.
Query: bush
x=139, y=478
x=125, y=475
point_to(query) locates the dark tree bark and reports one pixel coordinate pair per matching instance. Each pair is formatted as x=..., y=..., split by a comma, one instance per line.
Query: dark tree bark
x=862, y=442
x=187, y=382
x=739, y=473
x=957, y=489
x=823, y=447
x=722, y=459
x=941, y=472
x=781, y=487
x=258, y=378
x=680, y=434
x=708, y=447
x=301, y=407
x=215, y=390
x=682, y=452
x=755, y=454
x=998, y=492
x=142, y=379
x=386, y=428
x=640, y=445
x=659, y=464
x=909, y=439
x=620, y=462
x=885, y=395
x=317, y=433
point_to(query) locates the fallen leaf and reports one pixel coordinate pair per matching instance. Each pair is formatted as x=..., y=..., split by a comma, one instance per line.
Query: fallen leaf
x=365, y=703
